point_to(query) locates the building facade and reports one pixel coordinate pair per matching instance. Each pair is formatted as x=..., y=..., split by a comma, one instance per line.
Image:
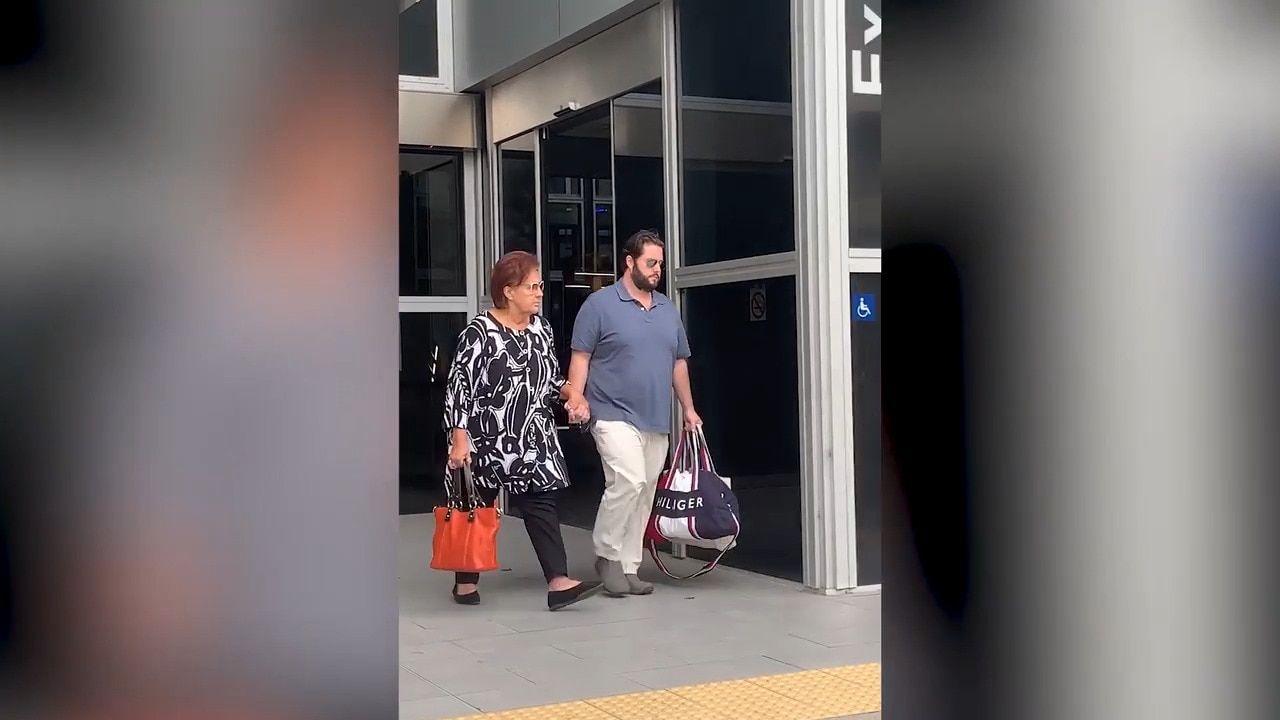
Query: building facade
x=747, y=132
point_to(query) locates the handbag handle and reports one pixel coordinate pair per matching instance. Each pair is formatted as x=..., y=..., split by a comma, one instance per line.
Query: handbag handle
x=461, y=496
x=472, y=499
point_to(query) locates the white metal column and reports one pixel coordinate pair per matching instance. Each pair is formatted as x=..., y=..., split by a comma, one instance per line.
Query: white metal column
x=822, y=283
x=673, y=203
x=492, y=235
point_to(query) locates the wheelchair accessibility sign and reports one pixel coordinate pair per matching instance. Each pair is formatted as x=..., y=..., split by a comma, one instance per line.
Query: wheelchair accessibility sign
x=864, y=308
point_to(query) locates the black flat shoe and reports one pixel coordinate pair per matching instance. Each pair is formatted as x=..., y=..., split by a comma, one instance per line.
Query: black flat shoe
x=471, y=598
x=559, y=599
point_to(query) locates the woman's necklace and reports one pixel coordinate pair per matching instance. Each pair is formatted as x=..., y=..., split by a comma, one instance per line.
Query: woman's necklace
x=509, y=322
x=519, y=334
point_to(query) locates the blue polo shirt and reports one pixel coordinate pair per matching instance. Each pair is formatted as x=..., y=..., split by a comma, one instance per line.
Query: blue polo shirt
x=633, y=353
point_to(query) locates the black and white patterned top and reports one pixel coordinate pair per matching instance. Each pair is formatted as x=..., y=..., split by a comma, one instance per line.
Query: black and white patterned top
x=502, y=386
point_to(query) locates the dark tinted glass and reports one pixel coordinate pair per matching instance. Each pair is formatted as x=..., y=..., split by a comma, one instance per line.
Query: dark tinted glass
x=420, y=40
x=735, y=114
x=745, y=384
x=432, y=240
x=864, y=124
x=427, y=343
x=868, y=448
x=517, y=174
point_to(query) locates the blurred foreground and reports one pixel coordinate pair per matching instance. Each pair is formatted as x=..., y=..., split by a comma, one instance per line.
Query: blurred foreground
x=198, y=347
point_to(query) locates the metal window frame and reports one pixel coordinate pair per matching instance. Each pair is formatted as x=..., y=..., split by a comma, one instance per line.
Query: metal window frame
x=673, y=158
x=860, y=263
x=723, y=272
x=491, y=165
x=435, y=304
x=472, y=184
x=705, y=104
x=820, y=102
x=864, y=265
x=672, y=189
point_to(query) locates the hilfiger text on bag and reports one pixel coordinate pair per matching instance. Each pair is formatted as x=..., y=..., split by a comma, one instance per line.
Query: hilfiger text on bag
x=677, y=504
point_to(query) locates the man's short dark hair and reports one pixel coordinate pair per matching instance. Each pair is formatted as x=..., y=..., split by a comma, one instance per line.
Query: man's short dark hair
x=634, y=247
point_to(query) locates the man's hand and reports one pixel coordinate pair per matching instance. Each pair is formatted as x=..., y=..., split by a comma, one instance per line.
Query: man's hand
x=692, y=420
x=578, y=408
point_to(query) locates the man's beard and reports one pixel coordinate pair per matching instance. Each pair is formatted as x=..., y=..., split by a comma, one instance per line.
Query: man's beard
x=642, y=281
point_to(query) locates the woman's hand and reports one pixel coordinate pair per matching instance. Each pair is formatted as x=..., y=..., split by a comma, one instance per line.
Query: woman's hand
x=459, y=449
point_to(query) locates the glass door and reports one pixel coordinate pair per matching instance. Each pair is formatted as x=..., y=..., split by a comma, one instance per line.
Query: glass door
x=435, y=304
x=578, y=235
x=578, y=252
x=601, y=181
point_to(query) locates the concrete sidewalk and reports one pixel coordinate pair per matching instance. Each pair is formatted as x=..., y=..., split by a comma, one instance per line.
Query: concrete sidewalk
x=510, y=652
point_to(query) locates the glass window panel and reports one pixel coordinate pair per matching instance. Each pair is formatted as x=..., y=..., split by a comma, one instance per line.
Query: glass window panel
x=638, y=183
x=432, y=235
x=427, y=344
x=735, y=115
x=867, y=439
x=517, y=175
x=745, y=379
x=420, y=39
x=864, y=130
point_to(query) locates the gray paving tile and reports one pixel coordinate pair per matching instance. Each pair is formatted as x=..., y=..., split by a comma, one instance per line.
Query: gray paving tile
x=483, y=646
x=435, y=709
x=468, y=677
x=619, y=657
x=452, y=628
x=837, y=636
x=566, y=690
x=821, y=657
x=593, y=611
x=532, y=657
x=738, y=669
x=695, y=649
x=870, y=603
x=412, y=634
x=832, y=615
x=413, y=687
x=585, y=675
x=442, y=653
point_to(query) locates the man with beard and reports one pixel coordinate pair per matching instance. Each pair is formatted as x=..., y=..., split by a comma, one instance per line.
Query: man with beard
x=629, y=351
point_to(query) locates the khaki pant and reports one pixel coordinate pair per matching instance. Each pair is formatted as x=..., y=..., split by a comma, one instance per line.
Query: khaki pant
x=632, y=462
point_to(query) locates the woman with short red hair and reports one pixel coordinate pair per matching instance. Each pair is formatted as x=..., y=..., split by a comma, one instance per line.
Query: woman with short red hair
x=498, y=413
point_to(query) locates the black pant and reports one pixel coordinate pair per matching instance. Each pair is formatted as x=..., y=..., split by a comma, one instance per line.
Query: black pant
x=542, y=521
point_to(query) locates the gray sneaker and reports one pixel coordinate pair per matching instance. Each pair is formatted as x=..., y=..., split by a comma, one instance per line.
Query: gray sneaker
x=638, y=586
x=615, y=583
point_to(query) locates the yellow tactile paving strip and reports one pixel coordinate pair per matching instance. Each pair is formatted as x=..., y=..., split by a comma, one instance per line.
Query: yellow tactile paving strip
x=808, y=695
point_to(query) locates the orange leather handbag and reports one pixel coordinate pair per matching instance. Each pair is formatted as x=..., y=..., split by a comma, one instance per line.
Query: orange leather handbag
x=466, y=536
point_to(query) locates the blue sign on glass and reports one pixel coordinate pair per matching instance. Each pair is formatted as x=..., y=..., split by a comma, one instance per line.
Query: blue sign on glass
x=864, y=308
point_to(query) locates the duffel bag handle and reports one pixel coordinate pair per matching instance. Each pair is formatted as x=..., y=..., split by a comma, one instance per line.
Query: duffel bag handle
x=657, y=559
x=682, y=458
x=702, y=453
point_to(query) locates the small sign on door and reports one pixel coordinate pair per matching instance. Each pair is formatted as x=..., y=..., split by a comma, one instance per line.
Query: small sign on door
x=864, y=308
x=756, y=303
